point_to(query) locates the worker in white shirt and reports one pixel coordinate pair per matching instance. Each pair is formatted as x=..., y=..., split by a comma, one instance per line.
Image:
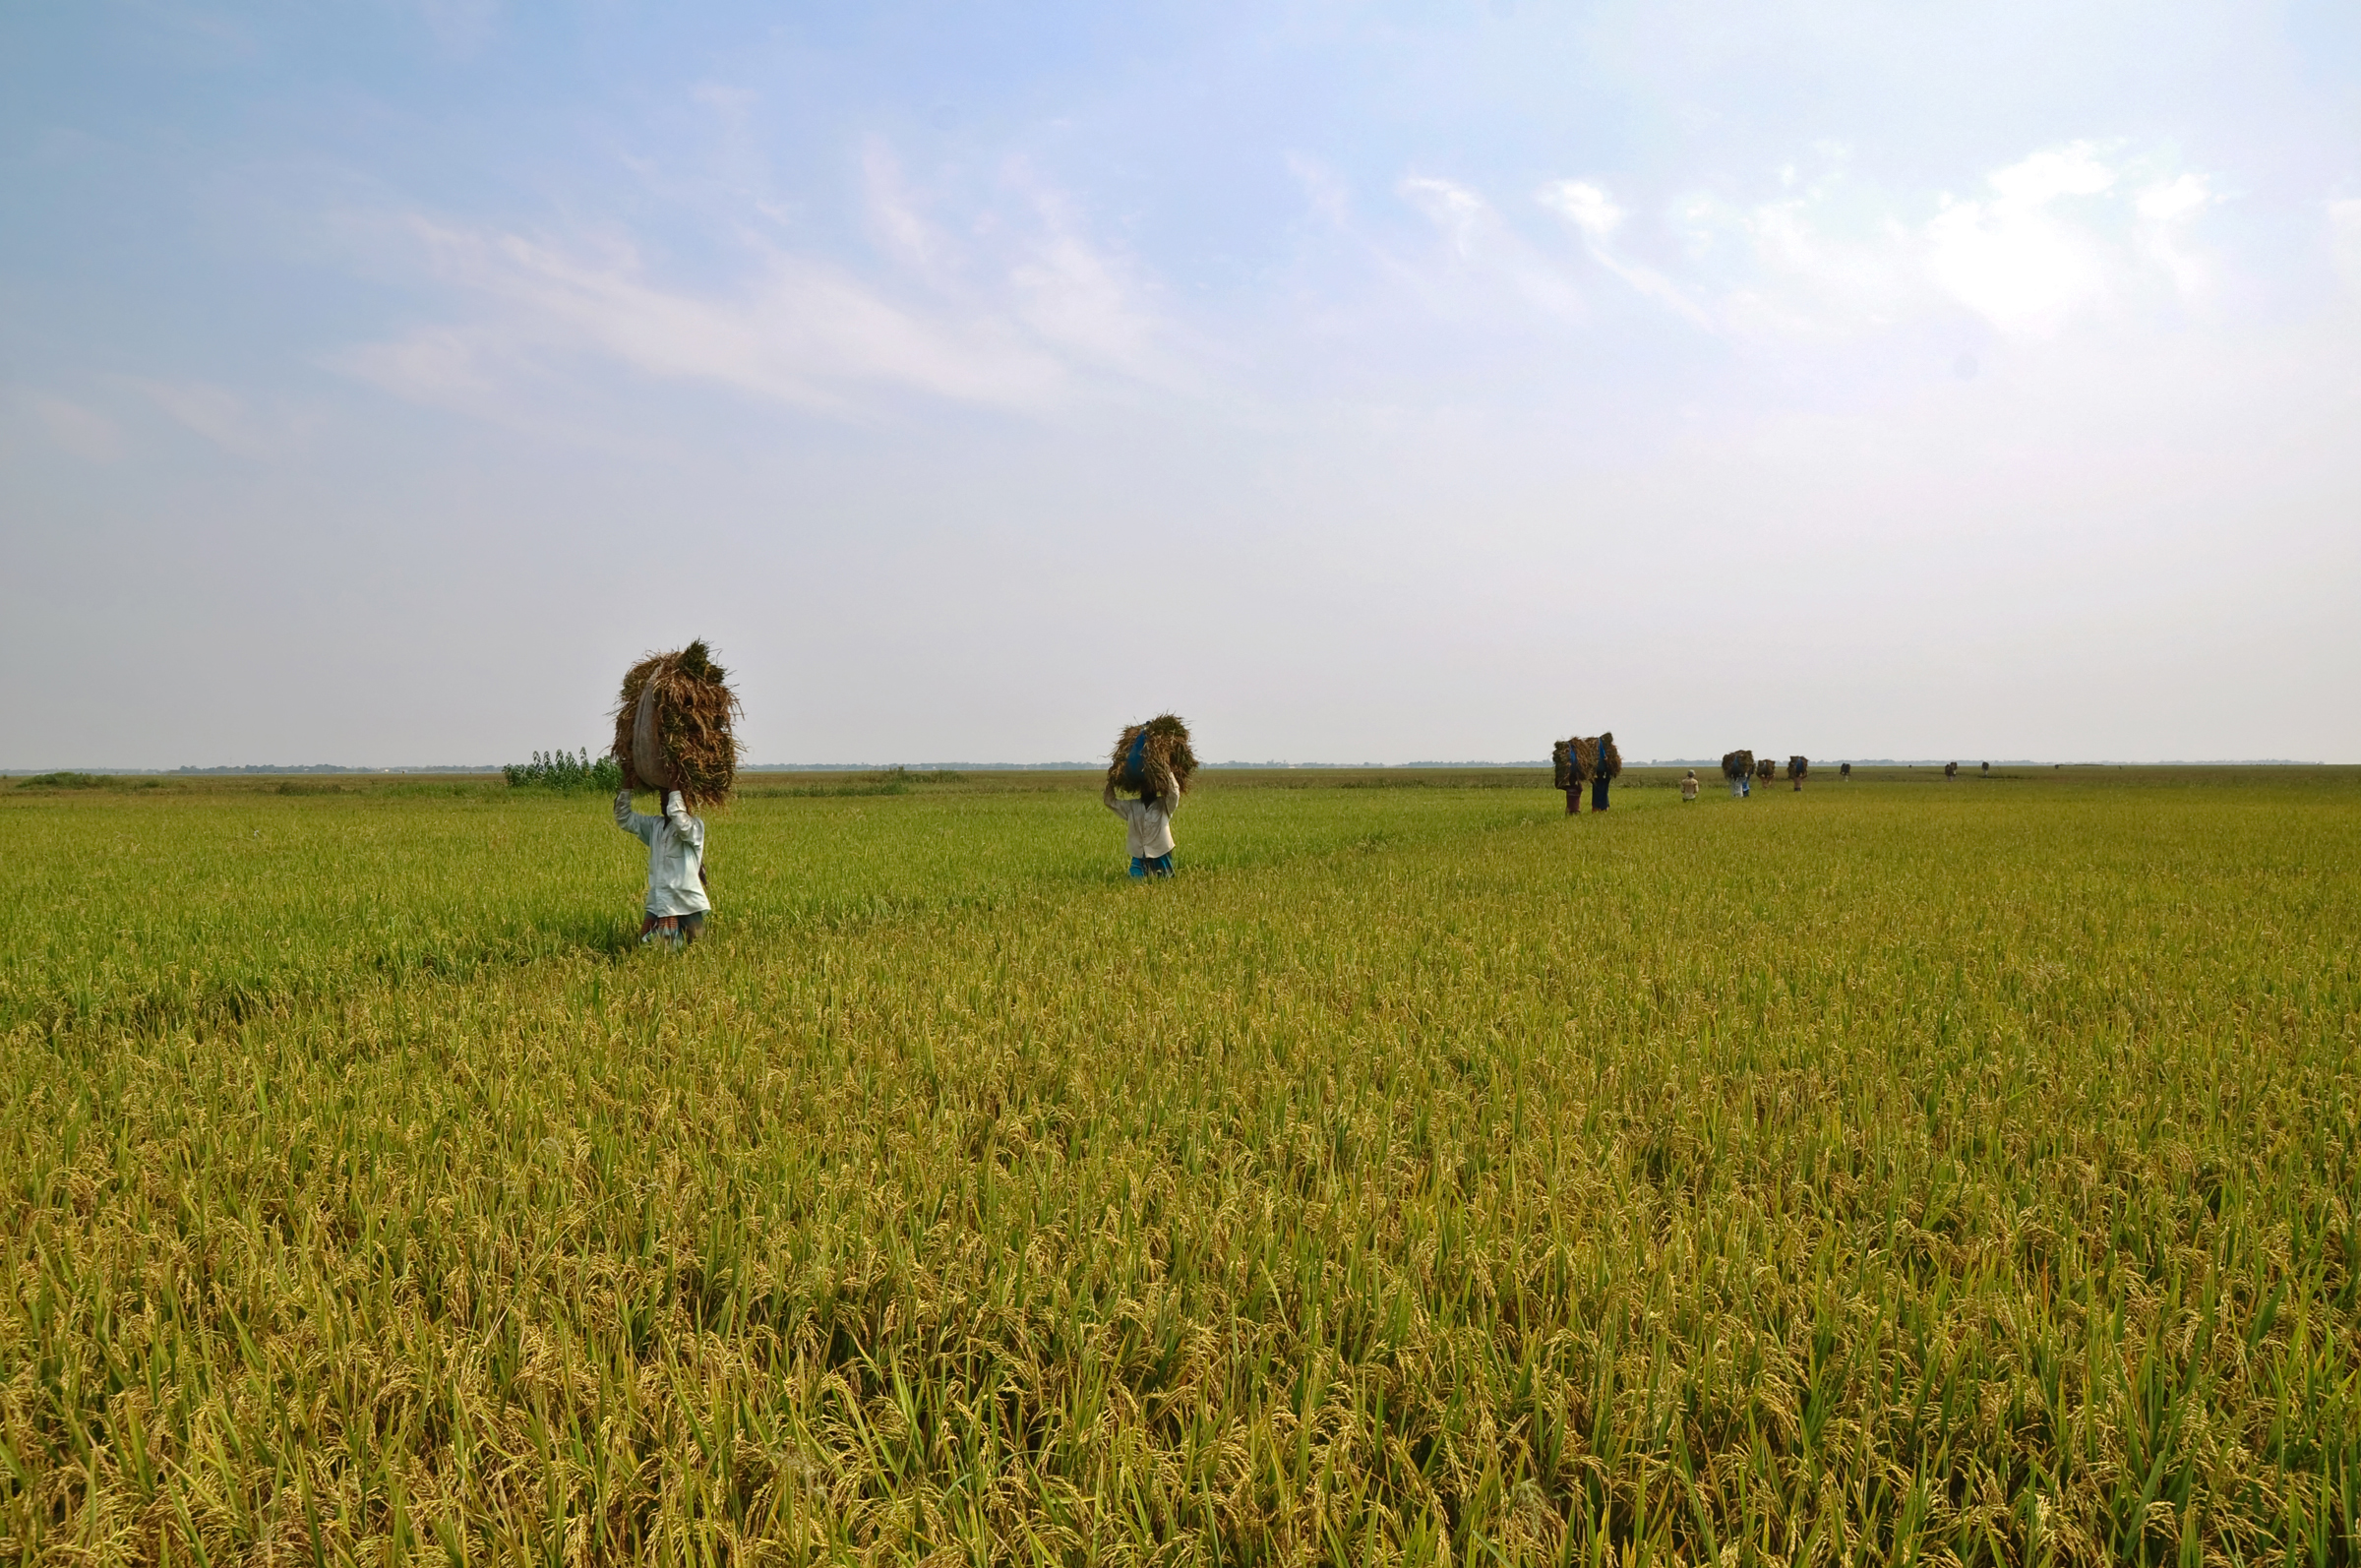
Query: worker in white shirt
x=1150, y=824
x=676, y=869
x=1688, y=785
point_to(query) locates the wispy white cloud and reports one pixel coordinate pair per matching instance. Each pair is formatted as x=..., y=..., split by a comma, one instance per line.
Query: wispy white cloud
x=1019, y=325
x=2010, y=258
x=441, y=365
x=1809, y=278
x=2051, y=239
x=1483, y=246
x=71, y=427
x=2166, y=210
x=1080, y=298
x=898, y=223
x=1595, y=215
x=222, y=417
x=1330, y=199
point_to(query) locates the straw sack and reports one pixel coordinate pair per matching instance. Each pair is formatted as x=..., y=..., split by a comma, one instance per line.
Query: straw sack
x=1153, y=759
x=1764, y=769
x=672, y=726
x=1798, y=767
x=1736, y=764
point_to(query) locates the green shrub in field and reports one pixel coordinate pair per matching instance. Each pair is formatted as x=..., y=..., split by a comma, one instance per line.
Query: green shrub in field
x=568, y=773
x=65, y=781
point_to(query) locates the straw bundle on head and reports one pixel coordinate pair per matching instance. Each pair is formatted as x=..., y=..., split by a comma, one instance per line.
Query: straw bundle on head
x=1798, y=767
x=1153, y=759
x=1764, y=769
x=1736, y=764
x=1580, y=758
x=672, y=726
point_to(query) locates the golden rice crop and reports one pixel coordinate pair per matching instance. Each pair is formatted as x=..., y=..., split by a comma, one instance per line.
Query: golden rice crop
x=1418, y=1177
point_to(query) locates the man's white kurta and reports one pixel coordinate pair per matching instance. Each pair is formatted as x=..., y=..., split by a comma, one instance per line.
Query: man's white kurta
x=1150, y=822
x=676, y=852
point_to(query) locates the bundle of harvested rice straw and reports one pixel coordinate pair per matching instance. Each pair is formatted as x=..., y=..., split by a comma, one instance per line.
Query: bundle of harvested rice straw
x=1578, y=760
x=1736, y=764
x=672, y=726
x=1798, y=767
x=1765, y=769
x=1153, y=759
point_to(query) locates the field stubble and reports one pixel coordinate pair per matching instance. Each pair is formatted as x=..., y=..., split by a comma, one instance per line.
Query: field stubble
x=1961, y=1173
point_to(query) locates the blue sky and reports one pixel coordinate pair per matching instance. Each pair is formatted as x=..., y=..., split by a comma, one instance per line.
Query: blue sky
x=378, y=379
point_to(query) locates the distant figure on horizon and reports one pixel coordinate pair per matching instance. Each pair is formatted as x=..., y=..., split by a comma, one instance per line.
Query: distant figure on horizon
x=1844, y=770
x=1951, y=771
x=1148, y=822
x=676, y=869
x=1688, y=786
x=1987, y=769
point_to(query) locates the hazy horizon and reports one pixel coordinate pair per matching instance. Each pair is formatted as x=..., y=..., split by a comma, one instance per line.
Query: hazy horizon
x=1354, y=380
x=1079, y=764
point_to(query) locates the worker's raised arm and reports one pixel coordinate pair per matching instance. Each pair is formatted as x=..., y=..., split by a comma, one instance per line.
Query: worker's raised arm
x=1106, y=799
x=676, y=811
x=631, y=821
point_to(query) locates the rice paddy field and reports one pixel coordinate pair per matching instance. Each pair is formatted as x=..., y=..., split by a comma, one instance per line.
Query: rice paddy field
x=1899, y=1172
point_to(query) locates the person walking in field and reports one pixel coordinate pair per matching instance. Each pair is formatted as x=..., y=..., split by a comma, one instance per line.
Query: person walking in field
x=676, y=869
x=1688, y=786
x=1149, y=824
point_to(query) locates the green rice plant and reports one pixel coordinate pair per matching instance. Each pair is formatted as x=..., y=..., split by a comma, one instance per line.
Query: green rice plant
x=1896, y=1175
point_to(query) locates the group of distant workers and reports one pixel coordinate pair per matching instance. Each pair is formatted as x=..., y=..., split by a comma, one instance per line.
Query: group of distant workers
x=677, y=901
x=1741, y=785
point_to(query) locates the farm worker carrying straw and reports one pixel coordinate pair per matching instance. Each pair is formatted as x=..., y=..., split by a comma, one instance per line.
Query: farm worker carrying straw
x=1149, y=821
x=1688, y=786
x=1152, y=761
x=676, y=869
x=673, y=734
x=1580, y=760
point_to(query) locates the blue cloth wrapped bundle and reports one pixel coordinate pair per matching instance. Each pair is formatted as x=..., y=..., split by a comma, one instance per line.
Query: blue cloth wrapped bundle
x=1133, y=775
